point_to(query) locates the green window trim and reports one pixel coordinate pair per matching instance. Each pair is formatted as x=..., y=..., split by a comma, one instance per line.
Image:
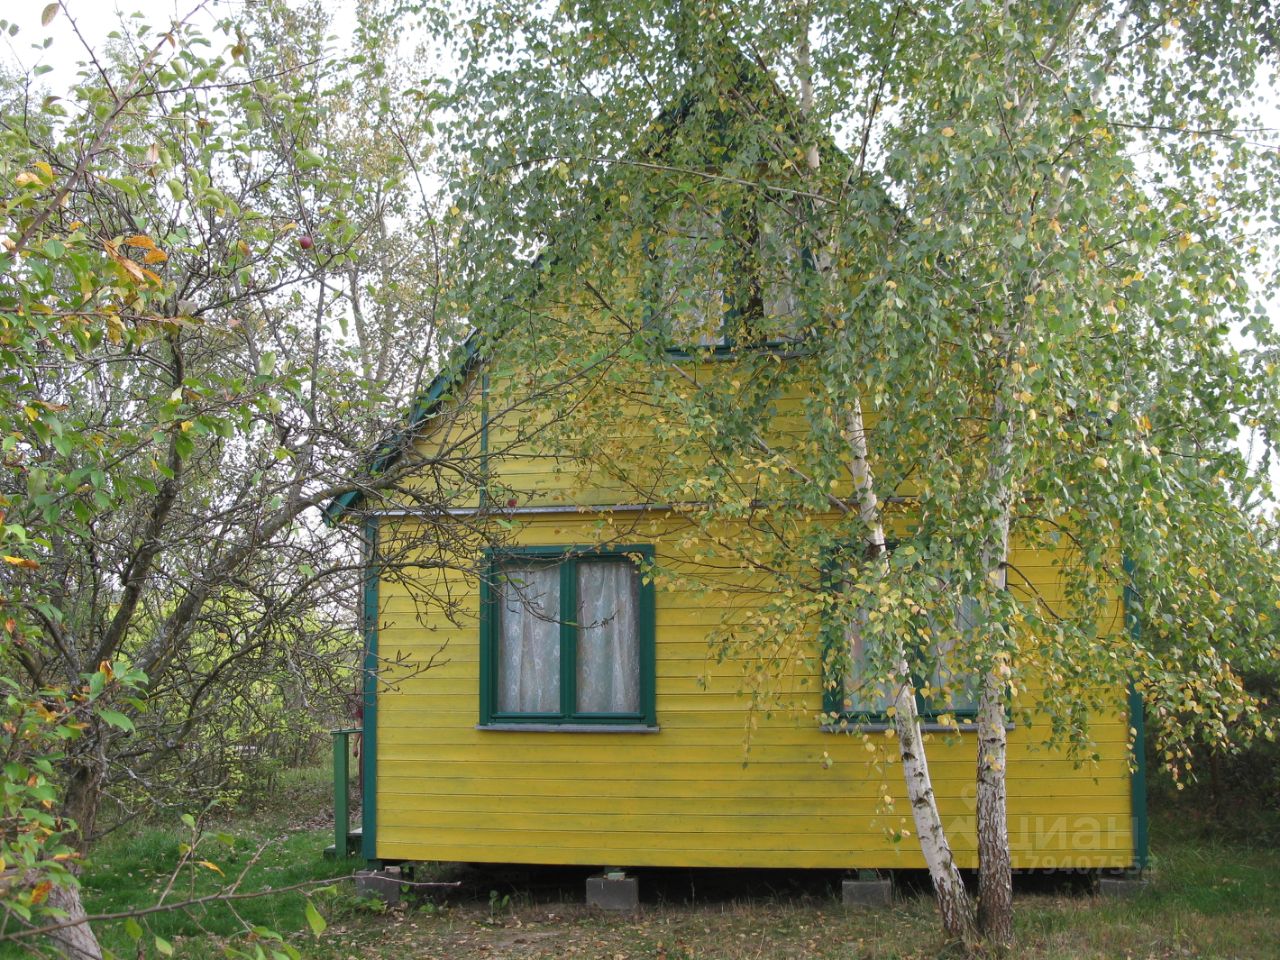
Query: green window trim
x=840, y=719
x=567, y=559
x=733, y=310
x=853, y=719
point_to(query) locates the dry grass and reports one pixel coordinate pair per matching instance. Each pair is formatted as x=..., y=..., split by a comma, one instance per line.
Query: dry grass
x=1206, y=900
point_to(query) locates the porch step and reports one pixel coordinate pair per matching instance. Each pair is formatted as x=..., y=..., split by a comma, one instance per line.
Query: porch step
x=354, y=838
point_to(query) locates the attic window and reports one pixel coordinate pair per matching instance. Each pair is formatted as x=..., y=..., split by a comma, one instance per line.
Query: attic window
x=779, y=263
x=691, y=296
x=567, y=639
x=728, y=281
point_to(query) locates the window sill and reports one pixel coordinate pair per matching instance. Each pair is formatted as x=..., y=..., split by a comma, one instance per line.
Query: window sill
x=926, y=726
x=568, y=727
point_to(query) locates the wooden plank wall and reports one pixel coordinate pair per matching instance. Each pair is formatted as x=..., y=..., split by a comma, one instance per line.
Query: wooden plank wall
x=684, y=796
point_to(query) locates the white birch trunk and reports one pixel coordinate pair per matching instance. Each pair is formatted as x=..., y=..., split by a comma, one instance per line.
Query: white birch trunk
x=954, y=903
x=995, y=874
x=953, y=900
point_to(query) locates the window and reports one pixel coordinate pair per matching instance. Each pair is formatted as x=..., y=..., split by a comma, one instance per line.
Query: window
x=780, y=259
x=942, y=686
x=691, y=296
x=567, y=637
x=726, y=281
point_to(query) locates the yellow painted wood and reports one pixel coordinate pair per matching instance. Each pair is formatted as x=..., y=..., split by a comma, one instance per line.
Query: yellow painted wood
x=632, y=798
x=407, y=844
x=683, y=796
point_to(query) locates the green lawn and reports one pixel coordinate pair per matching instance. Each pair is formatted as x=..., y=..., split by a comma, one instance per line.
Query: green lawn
x=1207, y=898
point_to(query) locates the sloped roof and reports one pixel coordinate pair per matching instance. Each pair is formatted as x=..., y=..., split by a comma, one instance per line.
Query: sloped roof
x=460, y=362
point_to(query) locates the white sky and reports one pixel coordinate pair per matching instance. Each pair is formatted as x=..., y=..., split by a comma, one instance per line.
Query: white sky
x=96, y=19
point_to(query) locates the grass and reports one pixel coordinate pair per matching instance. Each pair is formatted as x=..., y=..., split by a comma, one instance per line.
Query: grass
x=1209, y=898
x=274, y=848
x=1206, y=900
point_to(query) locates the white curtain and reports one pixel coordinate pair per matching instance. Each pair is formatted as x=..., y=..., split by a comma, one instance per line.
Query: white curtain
x=693, y=283
x=862, y=690
x=608, y=637
x=529, y=641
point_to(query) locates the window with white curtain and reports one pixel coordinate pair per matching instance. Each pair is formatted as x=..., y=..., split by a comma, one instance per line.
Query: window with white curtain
x=568, y=638
x=529, y=639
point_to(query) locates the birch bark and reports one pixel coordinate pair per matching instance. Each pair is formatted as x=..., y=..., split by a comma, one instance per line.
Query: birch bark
x=954, y=903
x=995, y=874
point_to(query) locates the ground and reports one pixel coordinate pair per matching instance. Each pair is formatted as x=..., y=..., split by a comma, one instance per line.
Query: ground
x=1208, y=898
x=1205, y=900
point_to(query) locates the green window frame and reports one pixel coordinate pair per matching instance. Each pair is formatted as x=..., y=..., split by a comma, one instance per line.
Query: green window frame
x=833, y=681
x=567, y=561
x=744, y=287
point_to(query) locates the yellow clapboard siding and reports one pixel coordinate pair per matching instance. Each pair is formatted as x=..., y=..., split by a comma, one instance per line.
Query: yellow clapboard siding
x=727, y=726
x=1053, y=835
x=700, y=729
x=406, y=845
x=699, y=745
x=598, y=844
x=633, y=801
x=950, y=776
x=683, y=796
x=714, y=708
x=801, y=795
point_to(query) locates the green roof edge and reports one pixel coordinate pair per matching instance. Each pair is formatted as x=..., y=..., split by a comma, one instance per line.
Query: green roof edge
x=458, y=366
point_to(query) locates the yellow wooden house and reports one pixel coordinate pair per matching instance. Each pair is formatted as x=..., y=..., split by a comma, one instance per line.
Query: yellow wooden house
x=575, y=715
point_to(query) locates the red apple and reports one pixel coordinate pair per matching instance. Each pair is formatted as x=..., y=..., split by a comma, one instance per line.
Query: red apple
x=305, y=242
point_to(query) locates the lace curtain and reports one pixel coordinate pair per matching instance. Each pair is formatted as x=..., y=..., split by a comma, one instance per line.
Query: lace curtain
x=529, y=643
x=606, y=630
x=608, y=638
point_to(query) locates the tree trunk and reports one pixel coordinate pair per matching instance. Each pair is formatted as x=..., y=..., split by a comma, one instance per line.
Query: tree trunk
x=83, y=795
x=77, y=940
x=954, y=902
x=995, y=876
x=80, y=803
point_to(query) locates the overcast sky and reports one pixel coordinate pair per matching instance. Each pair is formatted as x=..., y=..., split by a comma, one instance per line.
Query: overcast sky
x=95, y=19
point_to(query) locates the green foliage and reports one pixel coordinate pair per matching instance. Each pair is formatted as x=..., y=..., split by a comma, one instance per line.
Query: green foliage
x=1033, y=253
x=34, y=733
x=206, y=245
x=126, y=872
x=981, y=285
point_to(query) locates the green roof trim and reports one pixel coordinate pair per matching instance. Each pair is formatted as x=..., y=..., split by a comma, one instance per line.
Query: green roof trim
x=459, y=364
